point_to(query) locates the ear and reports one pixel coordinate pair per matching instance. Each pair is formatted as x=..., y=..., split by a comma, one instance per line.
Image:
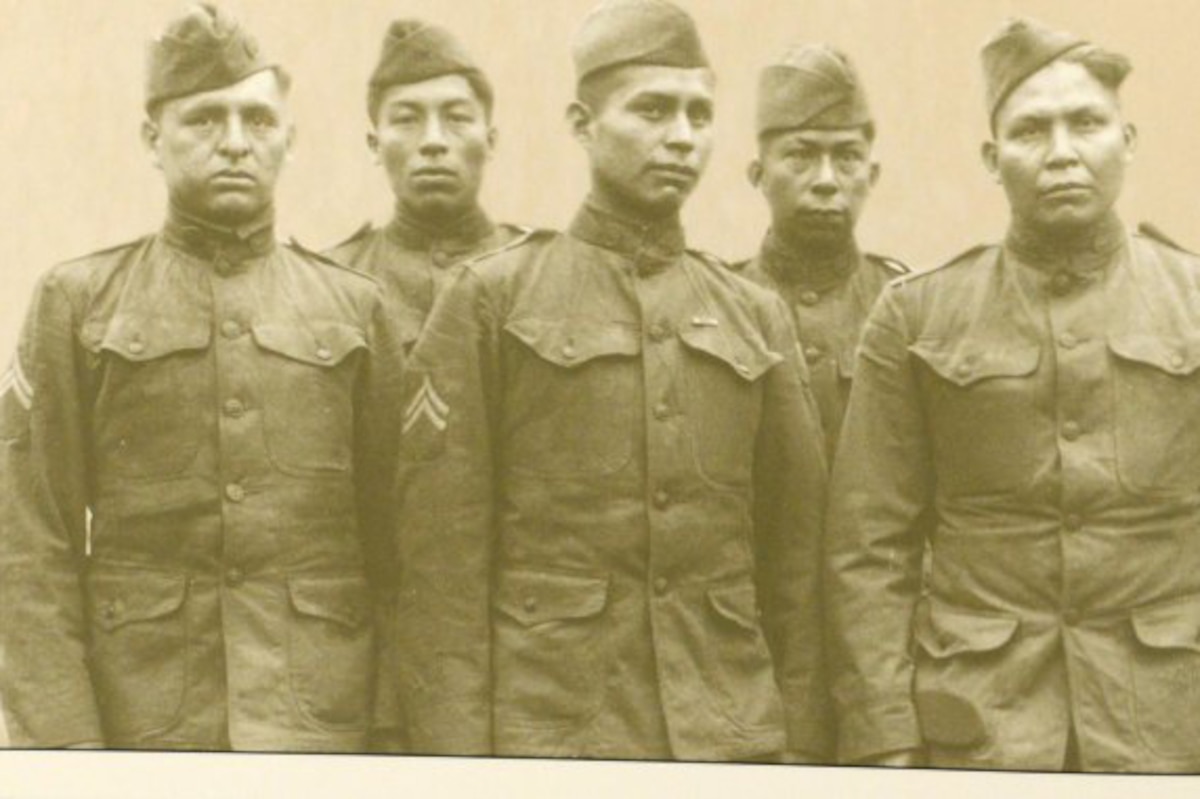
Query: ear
x=876, y=169
x=754, y=172
x=579, y=120
x=373, y=145
x=1131, y=141
x=493, y=138
x=291, y=140
x=991, y=160
x=151, y=135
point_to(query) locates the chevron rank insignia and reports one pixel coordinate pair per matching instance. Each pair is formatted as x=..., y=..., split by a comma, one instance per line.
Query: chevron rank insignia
x=14, y=381
x=426, y=417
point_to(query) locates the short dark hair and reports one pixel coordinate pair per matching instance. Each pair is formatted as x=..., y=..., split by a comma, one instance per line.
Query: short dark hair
x=282, y=77
x=480, y=87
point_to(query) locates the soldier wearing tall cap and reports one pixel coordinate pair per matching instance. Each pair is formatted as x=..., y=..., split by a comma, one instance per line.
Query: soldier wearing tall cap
x=187, y=436
x=1032, y=410
x=815, y=169
x=612, y=477
x=430, y=108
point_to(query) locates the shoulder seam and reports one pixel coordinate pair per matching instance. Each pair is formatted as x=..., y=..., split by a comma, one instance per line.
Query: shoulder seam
x=127, y=245
x=300, y=249
x=962, y=256
x=1153, y=232
x=527, y=234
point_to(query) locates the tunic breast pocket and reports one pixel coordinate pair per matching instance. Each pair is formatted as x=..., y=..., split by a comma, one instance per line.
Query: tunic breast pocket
x=1157, y=407
x=723, y=401
x=308, y=378
x=153, y=392
x=572, y=394
x=981, y=409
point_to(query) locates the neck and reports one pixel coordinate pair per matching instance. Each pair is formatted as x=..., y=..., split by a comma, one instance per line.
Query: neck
x=208, y=239
x=801, y=259
x=650, y=243
x=420, y=230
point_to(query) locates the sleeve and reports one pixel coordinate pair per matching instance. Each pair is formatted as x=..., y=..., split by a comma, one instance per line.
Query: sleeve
x=880, y=502
x=444, y=525
x=789, y=506
x=45, y=687
x=376, y=442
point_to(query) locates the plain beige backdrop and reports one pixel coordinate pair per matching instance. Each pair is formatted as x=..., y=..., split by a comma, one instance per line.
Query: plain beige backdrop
x=74, y=178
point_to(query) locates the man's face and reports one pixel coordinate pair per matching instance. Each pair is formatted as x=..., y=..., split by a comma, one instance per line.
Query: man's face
x=651, y=137
x=221, y=151
x=816, y=182
x=434, y=139
x=1060, y=149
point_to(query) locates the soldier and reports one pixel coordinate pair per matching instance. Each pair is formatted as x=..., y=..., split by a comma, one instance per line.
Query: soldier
x=612, y=476
x=208, y=397
x=1033, y=409
x=815, y=169
x=430, y=108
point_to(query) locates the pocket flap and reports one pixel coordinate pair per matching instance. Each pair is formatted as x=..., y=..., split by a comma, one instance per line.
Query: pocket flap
x=1173, y=625
x=536, y=597
x=573, y=342
x=340, y=599
x=965, y=362
x=944, y=632
x=748, y=359
x=737, y=603
x=137, y=337
x=1176, y=355
x=325, y=344
x=118, y=599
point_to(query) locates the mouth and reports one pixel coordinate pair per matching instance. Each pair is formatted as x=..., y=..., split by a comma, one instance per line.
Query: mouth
x=1066, y=190
x=433, y=173
x=234, y=178
x=674, y=173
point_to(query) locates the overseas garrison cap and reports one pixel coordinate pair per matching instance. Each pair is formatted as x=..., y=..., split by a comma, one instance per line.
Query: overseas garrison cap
x=204, y=49
x=627, y=32
x=414, y=51
x=1015, y=52
x=811, y=86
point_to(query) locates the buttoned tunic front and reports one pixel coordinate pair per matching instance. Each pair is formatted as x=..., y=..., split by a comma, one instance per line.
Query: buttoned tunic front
x=829, y=300
x=612, y=483
x=1036, y=416
x=207, y=401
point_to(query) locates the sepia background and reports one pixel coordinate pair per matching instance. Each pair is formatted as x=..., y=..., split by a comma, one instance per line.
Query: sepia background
x=74, y=177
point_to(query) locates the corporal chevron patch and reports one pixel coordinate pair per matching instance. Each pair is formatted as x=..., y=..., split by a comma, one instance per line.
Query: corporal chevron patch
x=427, y=405
x=14, y=380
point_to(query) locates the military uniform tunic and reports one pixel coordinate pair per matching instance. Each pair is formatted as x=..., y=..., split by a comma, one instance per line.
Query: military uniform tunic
x=414, y=262
x=1037, y=417
x=830, y=302
x=613, y=484
x=208, y=401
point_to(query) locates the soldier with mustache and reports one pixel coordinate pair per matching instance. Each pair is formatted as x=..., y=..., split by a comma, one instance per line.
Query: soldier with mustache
x=1032, y=411
x=815, y=170
x=612, y=479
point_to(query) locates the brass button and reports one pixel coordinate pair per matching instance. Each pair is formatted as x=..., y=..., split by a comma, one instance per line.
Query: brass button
x=1070, y=615
x=1071, y=431
x=1061, y=283
x=234, y=408
x=323, y=353
x=111, y=610
x=810, y=298
x=137, y=347
x=963, y=369
x=661, y=411
x=661, y=499
x=811, y=354
x=660, y=585
x=568, y=351
x=1068, y=341
x=530, y=603
x=230, y=329
x=1176, y=361
x=234, y=577
x=234, y=492
x=1072, y=523
x=659, y=331
x=442, y=258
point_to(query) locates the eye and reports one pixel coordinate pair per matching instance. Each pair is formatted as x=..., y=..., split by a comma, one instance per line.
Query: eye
x=848, y=158
x=700, y=116
x=201, y=120
x=262, y=120
x=651, y=110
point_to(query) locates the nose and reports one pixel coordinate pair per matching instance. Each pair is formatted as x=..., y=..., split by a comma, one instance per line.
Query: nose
x=825, y=183
x=235, y=144
x=1062, y=147
x=681, y=135
x=433, y=142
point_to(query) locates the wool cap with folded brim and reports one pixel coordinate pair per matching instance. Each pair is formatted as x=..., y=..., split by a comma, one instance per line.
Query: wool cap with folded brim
x=811, y=86
x=415, y=51
x=1021, y=48
x=202, y=50
x=636, y=32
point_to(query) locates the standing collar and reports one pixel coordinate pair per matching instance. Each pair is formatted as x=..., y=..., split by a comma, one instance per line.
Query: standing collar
x=792, y=265
x=458, y=235
x=1089, y=252
x=211, y=242
x=650, y=245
